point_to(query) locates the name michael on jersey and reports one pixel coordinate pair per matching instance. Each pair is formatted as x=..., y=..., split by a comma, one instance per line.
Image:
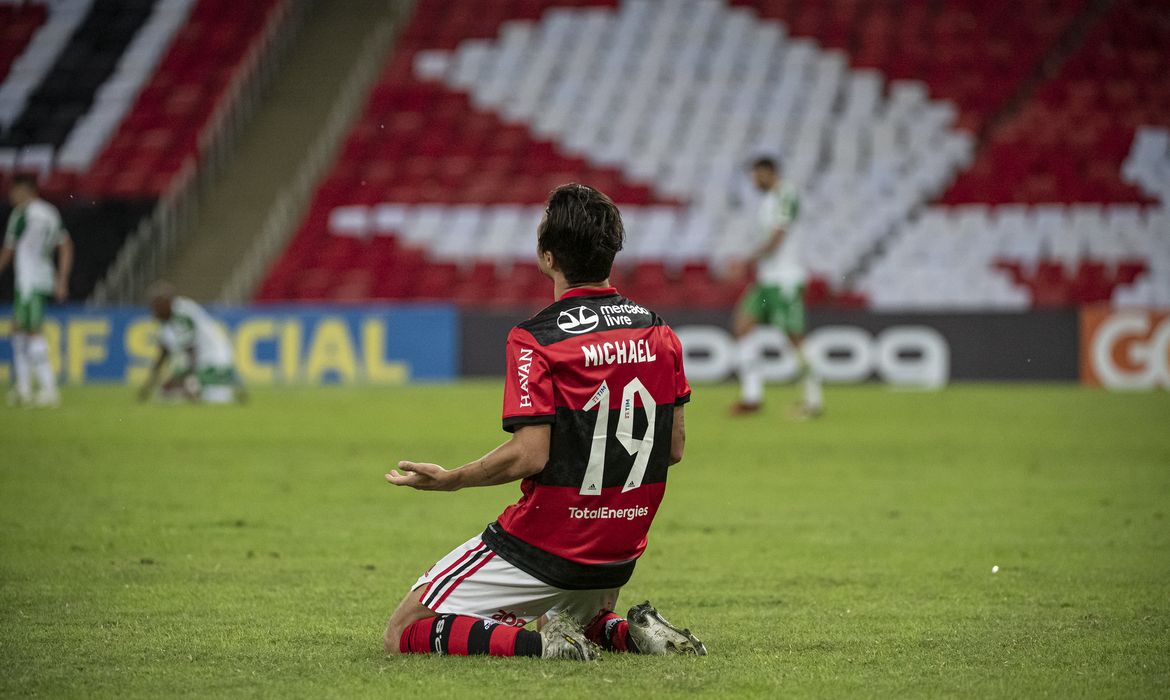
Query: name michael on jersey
x=618, y=353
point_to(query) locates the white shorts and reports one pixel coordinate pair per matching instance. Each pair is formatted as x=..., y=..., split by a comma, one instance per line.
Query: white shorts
x=473, y=580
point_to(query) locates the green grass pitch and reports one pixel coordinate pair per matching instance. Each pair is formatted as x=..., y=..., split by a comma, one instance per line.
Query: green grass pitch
x=153, y=551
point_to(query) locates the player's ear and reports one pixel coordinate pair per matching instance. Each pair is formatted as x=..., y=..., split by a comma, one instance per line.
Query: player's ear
x=549, y=260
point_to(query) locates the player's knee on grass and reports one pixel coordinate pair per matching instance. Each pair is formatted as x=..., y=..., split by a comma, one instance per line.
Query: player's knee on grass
x=395, y=627
x=410, y=610
x=392, y=638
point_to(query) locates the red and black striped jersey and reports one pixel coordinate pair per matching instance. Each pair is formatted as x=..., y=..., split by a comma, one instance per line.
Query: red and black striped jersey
x=606, y=373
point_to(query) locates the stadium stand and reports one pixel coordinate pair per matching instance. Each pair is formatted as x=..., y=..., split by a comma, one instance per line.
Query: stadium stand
x=454, y=143
x=18, y=22
x=68, y=90
x=951, y=153
x=119, y=92
x=1094, y=133
x=875, y=108
x=974, y=54
x=1067, y=144
x=1015, y=256
x=34, y=57
x=110, y=102
x=165, y=127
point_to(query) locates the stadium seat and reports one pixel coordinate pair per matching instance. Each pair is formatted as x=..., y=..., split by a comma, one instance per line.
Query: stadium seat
x=205, y=45
x=481, y=109
x=476, y=119
x=1080, y=126
x=18, y=23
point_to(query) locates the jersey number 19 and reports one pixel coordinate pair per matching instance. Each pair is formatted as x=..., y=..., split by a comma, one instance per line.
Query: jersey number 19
x=638, y=447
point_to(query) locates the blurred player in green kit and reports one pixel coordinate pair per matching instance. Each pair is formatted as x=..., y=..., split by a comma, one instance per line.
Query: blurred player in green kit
x=196, y=349
x=34, y=234
x=777, y=296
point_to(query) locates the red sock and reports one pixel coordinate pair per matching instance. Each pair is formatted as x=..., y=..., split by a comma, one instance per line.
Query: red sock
x=460, y=635
x=610, y=631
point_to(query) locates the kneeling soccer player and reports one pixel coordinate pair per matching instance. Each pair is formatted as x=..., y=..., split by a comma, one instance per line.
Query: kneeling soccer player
x=197, y=350
x=594, y=399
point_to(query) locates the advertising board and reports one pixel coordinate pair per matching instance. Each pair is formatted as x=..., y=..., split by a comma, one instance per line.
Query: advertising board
x=273, y=344
x=923, y=349
x=1125, y=348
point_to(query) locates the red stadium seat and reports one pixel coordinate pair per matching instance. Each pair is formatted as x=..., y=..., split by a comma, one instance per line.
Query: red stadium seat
x=1080, y=124
x=175, y=106
x=18, y=23
x=420, y=142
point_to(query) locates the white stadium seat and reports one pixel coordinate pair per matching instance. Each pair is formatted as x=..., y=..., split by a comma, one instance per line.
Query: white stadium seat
x=715, y=85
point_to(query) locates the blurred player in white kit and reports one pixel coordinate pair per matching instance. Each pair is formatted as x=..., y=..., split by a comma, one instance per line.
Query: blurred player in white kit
x=196, y=348
x=34, y=233
x=777, y=297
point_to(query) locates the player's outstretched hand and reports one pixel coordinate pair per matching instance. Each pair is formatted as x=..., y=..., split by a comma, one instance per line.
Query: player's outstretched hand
x=422, y=476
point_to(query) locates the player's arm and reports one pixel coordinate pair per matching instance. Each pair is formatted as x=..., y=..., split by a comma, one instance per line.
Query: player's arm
x=678, y=436
x=519, y=458
x=8, y=251
x=771, y=244
x=682, y=394
x=189, y=389
x=64, y=267
x=155, y=371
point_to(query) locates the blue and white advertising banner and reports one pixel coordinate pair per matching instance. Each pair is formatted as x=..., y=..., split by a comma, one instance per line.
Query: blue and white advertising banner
x=294, y=344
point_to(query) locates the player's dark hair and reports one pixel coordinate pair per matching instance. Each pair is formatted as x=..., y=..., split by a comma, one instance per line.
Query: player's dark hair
x=766, y=162
x=28, y=180
x=583, y=230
